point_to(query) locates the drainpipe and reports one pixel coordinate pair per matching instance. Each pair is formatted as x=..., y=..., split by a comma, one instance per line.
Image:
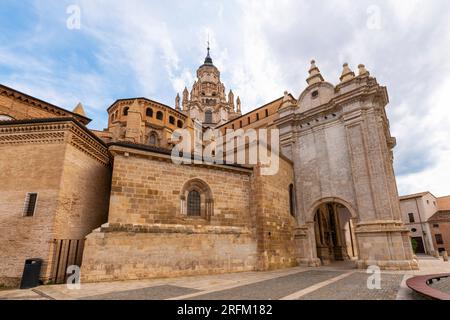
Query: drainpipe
x=425, y=242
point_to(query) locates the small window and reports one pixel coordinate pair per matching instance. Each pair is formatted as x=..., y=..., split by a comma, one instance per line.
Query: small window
x=193, y=205
x=257, y=117
x=208, y=116
x=292, y=200
x=172, y=120
x=413, y=230
x=30, y=204
x=153, y=139
x=435, y=226
x=315, y=94
x=240, y=124
x=411, y=217
x=439, y=239
x=125, y=111
x=180, y=124
x=159, y=115
x=232, y=126
x=267, y=113
x=428, y=201
x=249, y=121
x=149, y=112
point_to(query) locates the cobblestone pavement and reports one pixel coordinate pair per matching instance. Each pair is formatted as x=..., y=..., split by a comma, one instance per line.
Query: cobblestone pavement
x=272, y=289
x=335, y=282
x=443, y=285
x=354, y=287
x=152, y=293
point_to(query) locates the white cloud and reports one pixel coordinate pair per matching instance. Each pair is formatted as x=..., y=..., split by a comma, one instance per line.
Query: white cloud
x=262, y=48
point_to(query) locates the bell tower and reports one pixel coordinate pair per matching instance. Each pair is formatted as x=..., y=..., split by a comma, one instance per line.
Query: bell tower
x=207, y=102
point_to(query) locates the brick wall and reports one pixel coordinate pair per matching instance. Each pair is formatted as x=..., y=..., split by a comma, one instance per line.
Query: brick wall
x=27, y=168
x=55, y=160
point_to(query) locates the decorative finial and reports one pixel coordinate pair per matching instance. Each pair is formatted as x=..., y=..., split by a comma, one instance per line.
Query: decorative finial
x=79, y=109
x=347, y=73
x=314, y=74
x=287, y=100
x=362, y=70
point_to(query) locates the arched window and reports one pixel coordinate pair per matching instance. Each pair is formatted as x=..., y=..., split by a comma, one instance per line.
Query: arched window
x=180, y=124
x=197, y=200
x=292, y=200
x=208, y=116
x=149, y=112
x=153, y=139
x=4, y=117
x=194, y=204
x=125, y=111
x=159, y=115
x=172, y=120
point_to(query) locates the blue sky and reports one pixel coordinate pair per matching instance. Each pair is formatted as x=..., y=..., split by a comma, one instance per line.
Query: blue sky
x=263, y=47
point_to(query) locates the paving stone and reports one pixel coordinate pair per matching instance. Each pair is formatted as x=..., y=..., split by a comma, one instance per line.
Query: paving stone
x=151, y=293
x=354, y=287
x=272, y=289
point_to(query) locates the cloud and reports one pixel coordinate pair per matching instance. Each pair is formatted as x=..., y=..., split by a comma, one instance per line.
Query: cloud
x=262, y=47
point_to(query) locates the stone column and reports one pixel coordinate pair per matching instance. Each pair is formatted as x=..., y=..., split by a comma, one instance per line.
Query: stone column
x=381, y=235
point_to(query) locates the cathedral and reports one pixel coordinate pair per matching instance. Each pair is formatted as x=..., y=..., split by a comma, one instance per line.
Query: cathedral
x=113, y=202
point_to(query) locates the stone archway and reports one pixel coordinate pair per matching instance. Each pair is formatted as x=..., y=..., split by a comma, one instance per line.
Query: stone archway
x=334, y=230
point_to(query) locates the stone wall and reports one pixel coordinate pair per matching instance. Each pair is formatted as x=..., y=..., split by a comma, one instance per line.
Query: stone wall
x=149, y=235
x=275, y=225
x=140, y=252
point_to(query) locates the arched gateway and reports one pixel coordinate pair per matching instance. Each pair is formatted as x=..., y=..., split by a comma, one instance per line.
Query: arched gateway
x=334, y=230
x=339, y=140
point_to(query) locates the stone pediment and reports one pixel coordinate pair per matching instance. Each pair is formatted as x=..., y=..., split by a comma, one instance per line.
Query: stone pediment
x=315, y=96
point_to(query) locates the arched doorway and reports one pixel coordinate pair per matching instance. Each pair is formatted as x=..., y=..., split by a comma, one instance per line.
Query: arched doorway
x=335, y=233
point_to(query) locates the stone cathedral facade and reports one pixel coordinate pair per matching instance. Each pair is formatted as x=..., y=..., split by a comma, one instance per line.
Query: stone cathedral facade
x=114, y=203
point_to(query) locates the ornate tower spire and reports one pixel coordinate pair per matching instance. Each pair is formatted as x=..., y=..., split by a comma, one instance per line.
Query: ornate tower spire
x=177, y=102
x=208, y=59
x=185, y=98
x=238, y=102
x=231, y=99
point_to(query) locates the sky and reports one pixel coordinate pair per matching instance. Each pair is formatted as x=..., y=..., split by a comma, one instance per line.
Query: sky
x=97, y=51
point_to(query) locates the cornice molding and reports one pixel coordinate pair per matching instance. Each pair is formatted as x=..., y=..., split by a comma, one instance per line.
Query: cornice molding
x=54, y=133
